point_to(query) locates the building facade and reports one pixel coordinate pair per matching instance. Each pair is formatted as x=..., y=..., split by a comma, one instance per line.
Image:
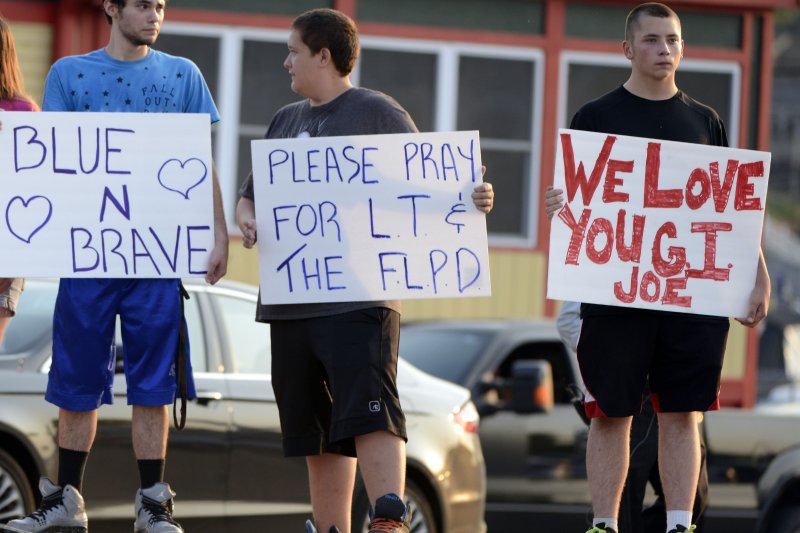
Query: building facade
x=514, y=69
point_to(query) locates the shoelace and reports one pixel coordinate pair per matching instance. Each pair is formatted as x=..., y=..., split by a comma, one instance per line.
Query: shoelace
x=385, y=524
x=159, y=511
x=49, y=503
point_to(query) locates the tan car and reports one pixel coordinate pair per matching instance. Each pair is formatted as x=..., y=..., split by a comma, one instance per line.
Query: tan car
x=227, y=465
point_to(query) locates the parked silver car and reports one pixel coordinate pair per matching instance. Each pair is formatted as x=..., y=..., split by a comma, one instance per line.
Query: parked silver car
x=227, y=465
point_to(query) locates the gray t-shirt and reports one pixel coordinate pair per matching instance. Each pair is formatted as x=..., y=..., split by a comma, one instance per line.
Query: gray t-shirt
x=357, y=111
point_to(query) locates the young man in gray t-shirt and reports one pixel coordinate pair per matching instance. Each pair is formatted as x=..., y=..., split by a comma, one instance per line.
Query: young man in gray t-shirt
x=329, y=357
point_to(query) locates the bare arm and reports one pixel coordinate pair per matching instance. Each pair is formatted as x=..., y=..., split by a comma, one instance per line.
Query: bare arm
x=218, y=260
x=246, y=220
x=759, y=296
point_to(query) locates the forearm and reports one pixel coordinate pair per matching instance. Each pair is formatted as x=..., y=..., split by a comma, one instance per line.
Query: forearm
x=762, y=275
x=245, y=210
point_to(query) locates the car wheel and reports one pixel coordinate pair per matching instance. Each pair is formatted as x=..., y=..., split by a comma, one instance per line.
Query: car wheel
x=423, y=519
x=787, y=520
x=16, y=494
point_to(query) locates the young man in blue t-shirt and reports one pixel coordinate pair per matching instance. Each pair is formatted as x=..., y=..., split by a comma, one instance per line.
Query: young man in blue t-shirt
x=125, y=76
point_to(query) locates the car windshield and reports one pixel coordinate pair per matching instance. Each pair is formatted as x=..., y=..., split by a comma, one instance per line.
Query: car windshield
x=34, y=319
x=447, y=354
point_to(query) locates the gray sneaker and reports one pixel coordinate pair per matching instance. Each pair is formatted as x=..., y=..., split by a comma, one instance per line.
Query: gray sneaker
x=154, y=510
x=61, y=511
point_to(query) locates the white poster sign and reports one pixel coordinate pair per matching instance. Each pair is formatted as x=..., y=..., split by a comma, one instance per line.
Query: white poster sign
x=105, y=195
x=369, y=217
x=656, y=224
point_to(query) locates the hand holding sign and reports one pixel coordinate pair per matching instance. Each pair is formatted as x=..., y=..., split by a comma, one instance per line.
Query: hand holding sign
x=553, y=201
x=483, y=194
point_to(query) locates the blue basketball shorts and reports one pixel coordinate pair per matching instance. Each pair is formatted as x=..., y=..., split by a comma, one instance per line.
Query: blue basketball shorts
x=82, y=370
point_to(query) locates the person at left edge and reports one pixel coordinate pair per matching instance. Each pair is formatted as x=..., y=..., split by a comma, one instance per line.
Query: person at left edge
x=12, y=98
x=116, y=79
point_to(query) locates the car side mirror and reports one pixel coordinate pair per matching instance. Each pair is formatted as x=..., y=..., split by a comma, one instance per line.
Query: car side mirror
x=486, y=398
x=531, y=387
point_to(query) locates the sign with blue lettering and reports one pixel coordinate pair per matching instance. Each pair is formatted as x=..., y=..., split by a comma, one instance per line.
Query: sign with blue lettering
x=370, y=217
x=105, y=195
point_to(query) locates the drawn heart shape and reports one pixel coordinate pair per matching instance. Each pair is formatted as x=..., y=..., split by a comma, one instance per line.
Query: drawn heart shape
x=182, y=176
x=28, y=216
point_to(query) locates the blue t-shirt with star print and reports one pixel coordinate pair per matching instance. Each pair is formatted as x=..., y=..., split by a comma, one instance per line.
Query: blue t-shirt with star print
x=157, y=83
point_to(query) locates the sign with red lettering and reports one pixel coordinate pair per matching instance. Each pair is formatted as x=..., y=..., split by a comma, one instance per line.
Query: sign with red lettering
x=656, y=224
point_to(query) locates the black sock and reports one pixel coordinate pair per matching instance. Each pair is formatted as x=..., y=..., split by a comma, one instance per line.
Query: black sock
x=71, y=464
x=151, y=471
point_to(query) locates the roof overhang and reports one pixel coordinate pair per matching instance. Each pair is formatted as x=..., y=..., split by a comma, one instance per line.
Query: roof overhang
x=745, y=4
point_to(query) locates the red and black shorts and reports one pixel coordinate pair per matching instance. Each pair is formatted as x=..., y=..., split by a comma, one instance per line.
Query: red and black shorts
x=679, y=354
x=335, y=378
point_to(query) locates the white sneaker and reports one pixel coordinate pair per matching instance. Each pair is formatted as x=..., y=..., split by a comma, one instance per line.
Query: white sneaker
x=154, y=510
x=61, y=511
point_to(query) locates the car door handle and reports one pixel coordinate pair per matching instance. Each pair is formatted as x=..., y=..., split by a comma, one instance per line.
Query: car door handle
x=206, y=397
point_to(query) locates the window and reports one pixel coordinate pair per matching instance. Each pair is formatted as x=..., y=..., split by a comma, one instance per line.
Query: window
x=454, y=86
x=444, y=85
x=449, y=354
x=409, y=77
x=714, y=83
x=248, y=340
x=265, y=89
x=503, y=112
x=204, y=51
x=593, y=21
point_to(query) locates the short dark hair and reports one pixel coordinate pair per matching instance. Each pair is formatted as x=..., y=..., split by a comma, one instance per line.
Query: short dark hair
x=650, y=9
x=331, y=29
x=120, y=4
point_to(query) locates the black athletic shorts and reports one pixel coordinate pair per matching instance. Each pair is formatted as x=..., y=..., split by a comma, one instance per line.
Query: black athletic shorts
x=335, y=378
x=680, y=354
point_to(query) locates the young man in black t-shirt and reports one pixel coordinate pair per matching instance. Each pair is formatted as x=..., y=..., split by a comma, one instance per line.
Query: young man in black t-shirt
x=620, y=349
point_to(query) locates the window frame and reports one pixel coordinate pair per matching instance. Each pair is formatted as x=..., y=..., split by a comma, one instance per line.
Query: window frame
x=447, y=100
x=572, y=57
x=228, y=131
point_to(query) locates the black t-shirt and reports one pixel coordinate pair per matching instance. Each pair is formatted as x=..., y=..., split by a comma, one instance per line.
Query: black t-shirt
x=679, y=119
